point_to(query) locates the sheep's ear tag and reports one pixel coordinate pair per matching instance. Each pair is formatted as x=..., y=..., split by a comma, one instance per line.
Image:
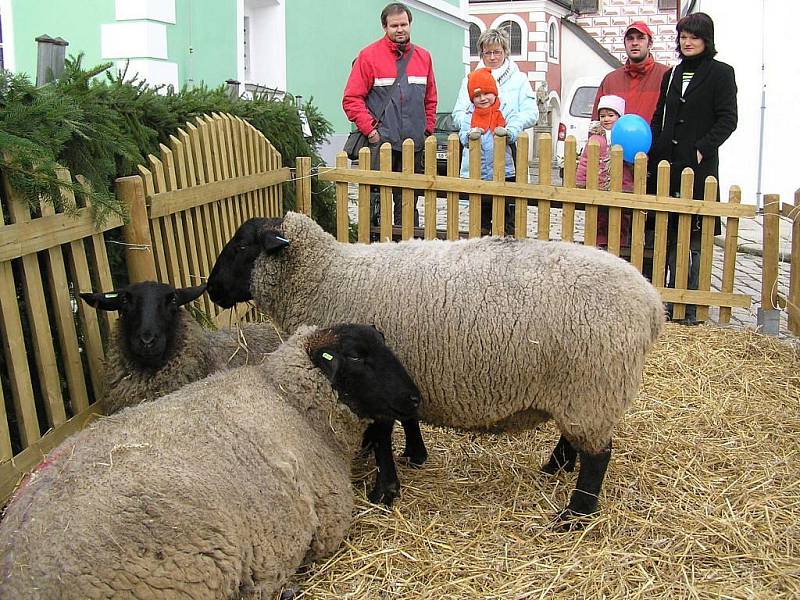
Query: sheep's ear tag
x=111, y=295
x=327, y=356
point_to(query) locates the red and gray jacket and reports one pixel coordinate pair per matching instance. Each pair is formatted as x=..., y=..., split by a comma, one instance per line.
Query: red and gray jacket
x=411, y=112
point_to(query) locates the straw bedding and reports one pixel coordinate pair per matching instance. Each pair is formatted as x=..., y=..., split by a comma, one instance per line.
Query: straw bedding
x=701, y=500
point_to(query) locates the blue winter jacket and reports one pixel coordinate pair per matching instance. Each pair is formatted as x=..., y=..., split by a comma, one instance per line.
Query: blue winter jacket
x=514, y=90
x=487, y=144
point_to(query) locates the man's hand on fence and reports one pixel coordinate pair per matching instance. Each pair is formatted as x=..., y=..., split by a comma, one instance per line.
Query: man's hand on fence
x=374, y=137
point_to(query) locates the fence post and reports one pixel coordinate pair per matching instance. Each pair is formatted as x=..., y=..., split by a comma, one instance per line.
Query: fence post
x=49, y=58
x=793, y=301
x=303, y=184
x=139, y=252
x=233, y=88
x=768, y=316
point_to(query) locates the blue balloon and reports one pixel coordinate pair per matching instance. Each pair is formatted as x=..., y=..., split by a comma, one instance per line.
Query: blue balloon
x=633, y=133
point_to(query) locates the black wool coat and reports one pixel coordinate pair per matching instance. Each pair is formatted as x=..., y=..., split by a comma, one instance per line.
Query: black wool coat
x=700, y=119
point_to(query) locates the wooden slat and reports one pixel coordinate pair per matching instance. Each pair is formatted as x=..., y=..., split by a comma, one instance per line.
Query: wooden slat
x=683, y=296
x=538, y=192
x=15, y=352
x=175, y=220
x=12, y=471
x=193, y=275
x=451, y=202
x=155, y=229
x=204, y=130
x=793, y=307
x=771, y=254
x=706, y=246
x=430, y=195
x=545, y=178
x=303, y=184
x=250, y=165
x=639, y=216
x=215, y=164
x=568, y=209
x=173, y=271
x=683, y=243
x=79, y=272
x=61, y=308
x=363, y=200
x=660, y=238
x=409, y=196
x=342, y=216
x=592, y=150
x=262, y=166
x=475, y=200
x=521, y=209
x=387, y=206
x=729, y=259
x=614, y=213
x=102, y=268
x=41, y=336
x=499, y=174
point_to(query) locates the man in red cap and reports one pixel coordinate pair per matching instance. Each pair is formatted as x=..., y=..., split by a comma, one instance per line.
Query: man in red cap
x=638, y=81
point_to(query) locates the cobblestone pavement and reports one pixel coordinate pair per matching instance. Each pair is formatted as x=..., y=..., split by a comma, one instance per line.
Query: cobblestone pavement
x=748, y=267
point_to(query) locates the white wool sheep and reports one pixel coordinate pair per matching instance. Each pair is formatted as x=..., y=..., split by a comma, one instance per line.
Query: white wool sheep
x=499, y=334
x=219, y=490
x=157, y=347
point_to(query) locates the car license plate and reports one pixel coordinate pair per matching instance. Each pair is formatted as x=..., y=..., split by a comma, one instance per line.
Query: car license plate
x=441, y=155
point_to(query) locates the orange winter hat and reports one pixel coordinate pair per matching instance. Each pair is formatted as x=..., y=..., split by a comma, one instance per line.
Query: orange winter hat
x=482, y=81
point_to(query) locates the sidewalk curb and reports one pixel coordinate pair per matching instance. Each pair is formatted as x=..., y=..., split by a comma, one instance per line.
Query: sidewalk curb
x=752, y=250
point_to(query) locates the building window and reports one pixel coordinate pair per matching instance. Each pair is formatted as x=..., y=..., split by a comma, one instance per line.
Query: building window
x=514, y=35
x=552, y=42
x=667, y=4
x=474, y=34
x=585, y=6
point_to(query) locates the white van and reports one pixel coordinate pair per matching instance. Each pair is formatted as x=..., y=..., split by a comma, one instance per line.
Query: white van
x=576, y=113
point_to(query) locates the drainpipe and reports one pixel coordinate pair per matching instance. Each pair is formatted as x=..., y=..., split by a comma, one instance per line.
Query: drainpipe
x=759, y=201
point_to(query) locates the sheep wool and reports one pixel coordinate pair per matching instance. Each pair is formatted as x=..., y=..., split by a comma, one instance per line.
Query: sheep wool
x=498, y=333
x=201, y=352
x=221, y=489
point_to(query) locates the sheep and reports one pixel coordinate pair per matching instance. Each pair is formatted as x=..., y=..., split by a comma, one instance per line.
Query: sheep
x=157, y=347
x=499, y=334
x=221, y=489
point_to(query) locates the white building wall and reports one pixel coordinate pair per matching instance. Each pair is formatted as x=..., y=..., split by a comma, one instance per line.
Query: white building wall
x=267, y=43
x=742, y=29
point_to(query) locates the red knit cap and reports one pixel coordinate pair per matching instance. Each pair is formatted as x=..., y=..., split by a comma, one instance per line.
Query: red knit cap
x=482, y=81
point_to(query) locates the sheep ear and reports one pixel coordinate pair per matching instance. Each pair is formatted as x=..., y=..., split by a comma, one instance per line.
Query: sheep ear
x=271, y=242
x=186, y=295
x=327, y=361
x=105, y=300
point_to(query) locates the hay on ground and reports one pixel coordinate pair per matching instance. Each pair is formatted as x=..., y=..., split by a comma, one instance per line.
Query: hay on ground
x=701, y=499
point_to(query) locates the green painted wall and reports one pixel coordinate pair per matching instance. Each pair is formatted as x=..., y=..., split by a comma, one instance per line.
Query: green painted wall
x=59, y=18
x=340, y=33
x=209, y=27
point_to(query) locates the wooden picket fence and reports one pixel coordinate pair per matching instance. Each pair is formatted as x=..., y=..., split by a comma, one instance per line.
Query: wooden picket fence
x=184, y=206
x=548, y=198
x=53, y=377
x=771, y=297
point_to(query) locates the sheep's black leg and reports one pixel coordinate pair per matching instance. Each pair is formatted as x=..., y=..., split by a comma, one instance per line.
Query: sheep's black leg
x=387, y=485
x=584, y=498
x=368, y=441
x=415, y=446
x=564, y=457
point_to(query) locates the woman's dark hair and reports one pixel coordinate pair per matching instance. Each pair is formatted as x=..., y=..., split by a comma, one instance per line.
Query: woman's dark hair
x=700, y=25
x=393, y=9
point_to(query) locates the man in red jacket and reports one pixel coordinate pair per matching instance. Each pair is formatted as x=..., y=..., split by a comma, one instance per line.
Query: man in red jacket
x=411, y=109
x=638, y=81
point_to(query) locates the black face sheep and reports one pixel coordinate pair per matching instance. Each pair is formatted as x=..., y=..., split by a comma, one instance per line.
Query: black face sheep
x=157, y=347
x=219, y=490
x=499, y=334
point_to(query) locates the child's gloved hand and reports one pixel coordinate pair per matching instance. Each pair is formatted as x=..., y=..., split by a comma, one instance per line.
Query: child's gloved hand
x=500, y=131
x=475, y=133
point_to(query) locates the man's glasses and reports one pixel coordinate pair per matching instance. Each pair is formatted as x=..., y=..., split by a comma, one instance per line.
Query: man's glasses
x=492, y=52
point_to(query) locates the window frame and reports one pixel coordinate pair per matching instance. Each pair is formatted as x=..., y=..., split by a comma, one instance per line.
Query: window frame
x=476, y=52
x=509, y=26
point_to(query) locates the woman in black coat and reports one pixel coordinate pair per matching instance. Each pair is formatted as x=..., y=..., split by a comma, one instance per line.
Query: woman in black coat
x=695, y=114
